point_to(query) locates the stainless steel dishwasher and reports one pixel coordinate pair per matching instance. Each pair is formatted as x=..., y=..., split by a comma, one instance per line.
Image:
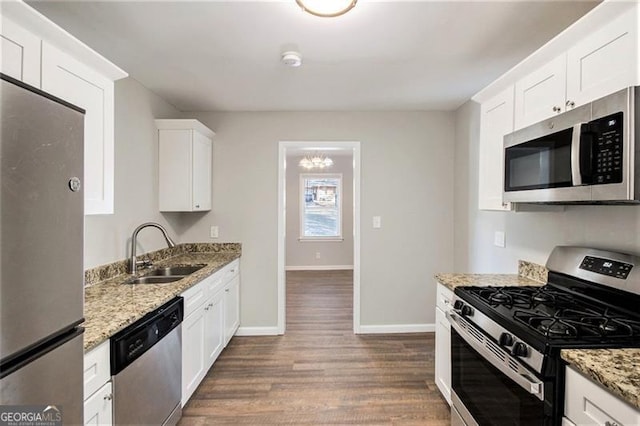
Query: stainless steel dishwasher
x=146, y=365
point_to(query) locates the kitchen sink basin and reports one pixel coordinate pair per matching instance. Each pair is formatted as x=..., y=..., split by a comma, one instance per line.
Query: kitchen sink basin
x=155, y=279
x=175, y=271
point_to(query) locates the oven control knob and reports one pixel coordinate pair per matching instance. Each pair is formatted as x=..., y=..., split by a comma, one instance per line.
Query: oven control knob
x=506, y=339
x=467, y=311
x=458, y=304
x=520, y=349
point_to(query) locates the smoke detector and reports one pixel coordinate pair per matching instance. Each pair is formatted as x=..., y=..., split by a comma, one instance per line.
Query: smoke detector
x=292, y=59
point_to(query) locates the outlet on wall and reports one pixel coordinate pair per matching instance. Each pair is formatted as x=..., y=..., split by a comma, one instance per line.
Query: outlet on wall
x=317, y=255
x=499, y=239
x=213, y=233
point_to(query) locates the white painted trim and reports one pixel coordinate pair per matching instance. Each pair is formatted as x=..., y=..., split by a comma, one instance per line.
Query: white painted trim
x=319, y=268
x=282, y=176
x=397, y=328
x=257, y=331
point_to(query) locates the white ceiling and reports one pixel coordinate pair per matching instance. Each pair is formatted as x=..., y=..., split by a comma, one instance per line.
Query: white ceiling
x=383, y=55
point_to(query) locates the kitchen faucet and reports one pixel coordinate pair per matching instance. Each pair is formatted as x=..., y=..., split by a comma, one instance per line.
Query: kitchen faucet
x=133, y=263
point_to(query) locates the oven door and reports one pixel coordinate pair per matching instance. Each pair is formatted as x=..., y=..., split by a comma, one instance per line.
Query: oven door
x=489, y=386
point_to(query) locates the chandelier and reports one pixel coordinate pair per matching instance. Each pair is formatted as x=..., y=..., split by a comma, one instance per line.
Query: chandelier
x=326, y=8
x=316, y=161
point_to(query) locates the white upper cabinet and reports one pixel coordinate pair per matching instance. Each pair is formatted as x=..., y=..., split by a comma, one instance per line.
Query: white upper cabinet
x=496, y=120
x=40, y=53
x=185, y=157
x=20, y=53
x=71, y=80
x=604, y=62
x=541, y=94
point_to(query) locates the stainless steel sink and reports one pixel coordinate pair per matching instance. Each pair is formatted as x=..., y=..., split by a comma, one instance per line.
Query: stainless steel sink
x=154, y=279
x=175, y=271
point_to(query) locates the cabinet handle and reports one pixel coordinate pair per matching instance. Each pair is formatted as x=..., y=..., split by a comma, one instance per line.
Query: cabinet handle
x=570, y=104
x=197, y=206
x=211, y=305
x=226, y=290
x=608, y=423
x=108, y=397
x=557, y=109
x=446, y=301
x=206, y=308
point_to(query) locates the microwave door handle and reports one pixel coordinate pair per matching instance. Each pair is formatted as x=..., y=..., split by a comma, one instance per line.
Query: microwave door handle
x=576, y=174
x=506, y=363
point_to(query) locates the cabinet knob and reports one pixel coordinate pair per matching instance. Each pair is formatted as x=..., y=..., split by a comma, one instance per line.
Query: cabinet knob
x=557, y=109
x=226, y=290
x=206, y=308
x=570, y=104
x=197, y=206
x=608, y=423
x=108, y=397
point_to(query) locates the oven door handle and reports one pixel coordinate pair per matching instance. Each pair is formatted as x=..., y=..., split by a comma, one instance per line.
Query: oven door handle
x=497, y=356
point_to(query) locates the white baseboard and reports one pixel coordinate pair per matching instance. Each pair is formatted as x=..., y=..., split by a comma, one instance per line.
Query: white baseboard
x=397, y=328
x=319, y=268
x=257, y=331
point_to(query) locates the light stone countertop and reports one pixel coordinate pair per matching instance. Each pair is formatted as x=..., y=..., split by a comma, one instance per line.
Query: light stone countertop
x=451, y=281
x=618, y=370
x=109, y=306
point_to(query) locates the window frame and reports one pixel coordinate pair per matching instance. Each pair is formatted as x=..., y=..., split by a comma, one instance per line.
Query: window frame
x=301, y=201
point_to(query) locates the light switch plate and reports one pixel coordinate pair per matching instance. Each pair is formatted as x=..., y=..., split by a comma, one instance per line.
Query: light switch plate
x=214, y=232
x=498, y=239
x=377, y=222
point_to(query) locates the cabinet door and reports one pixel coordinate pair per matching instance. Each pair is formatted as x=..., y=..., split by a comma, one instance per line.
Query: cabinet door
x=231, y=308
x=69, y=79
x=20, y=53
x=98, y=407
x=604, y=62
x=193, y=353
x=443, y=355
x=541, y=94
x=201, y=172
x=214, y=340
x=496, y=121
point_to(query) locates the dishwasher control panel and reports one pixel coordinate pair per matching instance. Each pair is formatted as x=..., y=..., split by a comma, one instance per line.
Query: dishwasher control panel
x=129, y=344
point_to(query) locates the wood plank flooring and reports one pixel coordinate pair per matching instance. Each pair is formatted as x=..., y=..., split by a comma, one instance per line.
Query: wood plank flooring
x=319, y=372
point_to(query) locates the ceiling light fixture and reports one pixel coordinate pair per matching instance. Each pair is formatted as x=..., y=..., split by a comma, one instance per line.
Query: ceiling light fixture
x=327, y=8
x=315, y=161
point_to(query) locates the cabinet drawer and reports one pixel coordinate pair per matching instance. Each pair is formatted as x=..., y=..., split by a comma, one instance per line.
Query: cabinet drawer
x=588, y=403
x=231, y=270
x=97, y=368
x=443, y=297
x=194, y=297
x=214, y=283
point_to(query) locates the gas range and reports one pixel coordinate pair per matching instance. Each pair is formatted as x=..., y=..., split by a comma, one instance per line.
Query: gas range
x=589, y=301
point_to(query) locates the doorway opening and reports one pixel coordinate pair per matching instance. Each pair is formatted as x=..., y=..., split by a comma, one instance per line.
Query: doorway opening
x=318, y=215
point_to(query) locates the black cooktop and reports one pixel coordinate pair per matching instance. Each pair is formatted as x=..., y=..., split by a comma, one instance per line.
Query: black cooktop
x=553, y=316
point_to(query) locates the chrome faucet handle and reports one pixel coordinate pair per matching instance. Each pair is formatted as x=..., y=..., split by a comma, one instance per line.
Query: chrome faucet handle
x=144, y=263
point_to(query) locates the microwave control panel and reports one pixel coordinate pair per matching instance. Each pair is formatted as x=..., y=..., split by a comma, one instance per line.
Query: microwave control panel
x=607, y=149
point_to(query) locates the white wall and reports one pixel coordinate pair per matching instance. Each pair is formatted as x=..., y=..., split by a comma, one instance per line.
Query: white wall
x=407, y=178
x=136, y=178
x=303, y=253
x=529, y=235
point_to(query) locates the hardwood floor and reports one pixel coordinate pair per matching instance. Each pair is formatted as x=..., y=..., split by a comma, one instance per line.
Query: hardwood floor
x=319, y=372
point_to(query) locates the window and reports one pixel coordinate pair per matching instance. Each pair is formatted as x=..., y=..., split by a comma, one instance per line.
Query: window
x=320, y=206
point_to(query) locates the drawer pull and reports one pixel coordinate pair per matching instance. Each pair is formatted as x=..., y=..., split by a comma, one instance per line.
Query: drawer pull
x=608, y=423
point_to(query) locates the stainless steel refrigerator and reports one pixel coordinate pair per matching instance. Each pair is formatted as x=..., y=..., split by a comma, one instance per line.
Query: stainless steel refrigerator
x=41, y=250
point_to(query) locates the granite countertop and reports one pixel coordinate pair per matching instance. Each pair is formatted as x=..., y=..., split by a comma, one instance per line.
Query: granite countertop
x=452, y=281
x=618, y=370
x=110, y=305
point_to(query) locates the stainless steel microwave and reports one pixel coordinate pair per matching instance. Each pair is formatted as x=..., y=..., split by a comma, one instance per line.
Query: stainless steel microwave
x=583, y=156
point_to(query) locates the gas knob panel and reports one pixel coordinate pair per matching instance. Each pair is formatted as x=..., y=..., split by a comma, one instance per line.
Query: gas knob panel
x=520, y=350
x=506, y=339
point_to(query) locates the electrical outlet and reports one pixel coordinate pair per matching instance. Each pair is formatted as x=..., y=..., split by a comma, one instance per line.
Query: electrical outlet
x=317, y=255
x=498, y=239
x=213, y=233
x=377, y=222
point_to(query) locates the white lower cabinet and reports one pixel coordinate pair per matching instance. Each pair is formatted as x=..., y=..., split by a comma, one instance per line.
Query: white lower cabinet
x=98, y=392
x=443, y=342
x=588, y=403
x=98, y=408
x=211, y=319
